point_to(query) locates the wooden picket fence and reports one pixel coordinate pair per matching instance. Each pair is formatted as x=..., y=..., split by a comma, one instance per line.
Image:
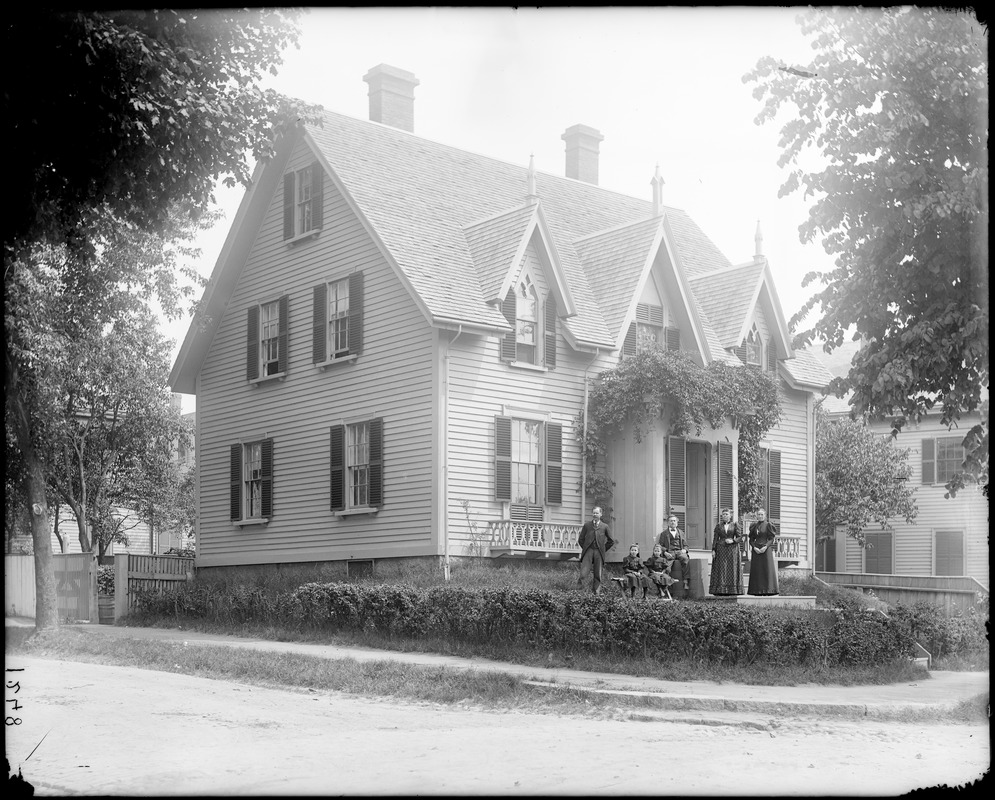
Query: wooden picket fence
x=76, y=582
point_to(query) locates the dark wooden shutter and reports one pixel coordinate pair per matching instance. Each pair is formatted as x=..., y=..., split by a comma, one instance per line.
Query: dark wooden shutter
x=629, y=342
x=288, y=205
x=928, y=461
x=509, y=344
x=725, y=475
x=741, y=352
x=502, y=458
x=252, y=345
x=283, y=335
x=774, y=486
x=673, y=337
x=949, y=553
x=554, y=464
x=317, y=196
x=550, y=332
x=771, y=357
x=266, y=476
x=677, y=472
x=877, y=556
x=356, y=313
x=376, y=462
x=336, y=464
x=235, y=491
x=319, y=324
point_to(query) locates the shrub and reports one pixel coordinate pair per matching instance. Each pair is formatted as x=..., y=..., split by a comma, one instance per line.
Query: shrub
x=105, y=580
x=962, y=634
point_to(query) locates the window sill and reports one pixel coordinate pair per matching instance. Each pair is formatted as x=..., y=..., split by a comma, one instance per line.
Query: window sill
x=302, y=237
x=525, y=365
x=331, y=362
x=246, y=523
x=280, y=376
x=348, y=512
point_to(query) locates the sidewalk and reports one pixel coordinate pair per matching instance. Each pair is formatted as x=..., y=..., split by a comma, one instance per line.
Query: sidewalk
x=936, y=694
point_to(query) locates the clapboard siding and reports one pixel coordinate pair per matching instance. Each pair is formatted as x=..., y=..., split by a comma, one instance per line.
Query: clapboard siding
x=482, y=387
x=296, y=412
x=915, y=545
x=794, y=436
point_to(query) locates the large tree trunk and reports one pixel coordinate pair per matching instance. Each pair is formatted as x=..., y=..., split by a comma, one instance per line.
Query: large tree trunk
x=46, y=600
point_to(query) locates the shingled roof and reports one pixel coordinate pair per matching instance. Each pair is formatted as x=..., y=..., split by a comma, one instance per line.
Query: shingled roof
x=449, y=219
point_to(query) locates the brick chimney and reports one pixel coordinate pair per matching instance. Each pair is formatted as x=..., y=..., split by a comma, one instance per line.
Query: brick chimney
x=582, y=152
x=392, y=96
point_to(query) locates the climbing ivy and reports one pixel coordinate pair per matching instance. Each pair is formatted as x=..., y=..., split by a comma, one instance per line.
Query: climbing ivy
x=640, y=388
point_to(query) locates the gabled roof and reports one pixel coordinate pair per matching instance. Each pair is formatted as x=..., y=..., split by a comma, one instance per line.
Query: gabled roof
x=806, y=371
x=451, y=225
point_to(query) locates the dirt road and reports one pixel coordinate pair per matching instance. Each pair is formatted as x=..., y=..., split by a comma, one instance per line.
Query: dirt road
x=90, y=729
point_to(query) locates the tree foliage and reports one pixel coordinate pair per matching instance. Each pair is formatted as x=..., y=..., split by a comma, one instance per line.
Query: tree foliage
x=860, y=479
x=657, y=381
x=894, y=105
x=150, y=106
x=149, y=110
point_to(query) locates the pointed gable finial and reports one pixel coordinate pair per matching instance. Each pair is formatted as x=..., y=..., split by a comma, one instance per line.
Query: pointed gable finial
x=533, y=195
x=758, y=240
x=657, y=184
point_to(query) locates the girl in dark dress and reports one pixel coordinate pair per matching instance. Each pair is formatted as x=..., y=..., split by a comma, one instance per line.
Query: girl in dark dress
x=763, y=567
x=632, y=566
x=727, y=567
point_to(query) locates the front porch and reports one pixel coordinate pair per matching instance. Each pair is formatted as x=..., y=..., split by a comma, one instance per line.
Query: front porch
x=558, y=541
x=510, y=538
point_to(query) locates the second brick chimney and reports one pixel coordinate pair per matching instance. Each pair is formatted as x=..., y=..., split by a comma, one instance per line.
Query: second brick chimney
x=392, y=96
x=582, y=152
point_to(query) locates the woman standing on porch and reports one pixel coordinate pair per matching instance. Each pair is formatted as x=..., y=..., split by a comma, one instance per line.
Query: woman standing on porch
x=727, y=568
x=763, y=567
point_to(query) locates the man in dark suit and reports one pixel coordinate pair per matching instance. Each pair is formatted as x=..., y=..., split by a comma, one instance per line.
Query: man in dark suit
x=595, y=542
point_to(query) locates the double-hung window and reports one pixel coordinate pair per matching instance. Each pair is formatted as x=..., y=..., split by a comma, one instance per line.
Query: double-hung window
x=356, y=466
x=251, y=485
x=942, y=458
x=337, y=319
x=303, y=193
x=267, y=340
x=533, y=340
x=528, y=466
x=648, y=331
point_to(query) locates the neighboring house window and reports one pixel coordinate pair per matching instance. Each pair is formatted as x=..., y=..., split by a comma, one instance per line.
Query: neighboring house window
x=877, y=553
x=528, y=465
x=356, y=465
x=942, y=458
x=337, y=319
x=303, y=194
x=251, y=489
x=533, y=340
x=266, y=339
x=950, y=553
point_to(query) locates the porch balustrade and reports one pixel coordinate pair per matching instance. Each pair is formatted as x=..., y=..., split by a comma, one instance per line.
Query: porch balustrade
x=788, y=547
x=534, y=539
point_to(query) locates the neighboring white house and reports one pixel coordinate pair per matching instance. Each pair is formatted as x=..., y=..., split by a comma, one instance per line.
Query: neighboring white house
x=392, y=354
x=949, y=536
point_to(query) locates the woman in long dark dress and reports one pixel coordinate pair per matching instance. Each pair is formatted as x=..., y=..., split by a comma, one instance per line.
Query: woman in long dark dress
x=727, y=568
x=763, y=566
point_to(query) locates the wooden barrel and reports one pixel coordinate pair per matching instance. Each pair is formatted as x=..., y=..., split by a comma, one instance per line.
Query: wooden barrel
x=105, y=609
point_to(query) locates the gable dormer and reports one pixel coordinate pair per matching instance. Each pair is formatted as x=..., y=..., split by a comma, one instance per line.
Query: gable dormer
x=654, y=324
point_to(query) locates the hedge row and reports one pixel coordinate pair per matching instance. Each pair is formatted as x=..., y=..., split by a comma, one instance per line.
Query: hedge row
x=564, y=622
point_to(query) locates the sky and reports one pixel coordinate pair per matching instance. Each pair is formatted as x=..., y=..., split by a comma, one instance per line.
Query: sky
x=663, y=85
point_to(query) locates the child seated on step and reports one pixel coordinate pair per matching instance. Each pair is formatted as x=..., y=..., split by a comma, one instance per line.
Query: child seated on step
x=658, y=568
x=632, y=569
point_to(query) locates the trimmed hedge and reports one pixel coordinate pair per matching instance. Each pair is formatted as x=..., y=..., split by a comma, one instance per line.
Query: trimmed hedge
x=567, y=622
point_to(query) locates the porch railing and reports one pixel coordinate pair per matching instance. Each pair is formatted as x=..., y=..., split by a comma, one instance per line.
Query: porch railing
x=788, y=547
x=534, y=539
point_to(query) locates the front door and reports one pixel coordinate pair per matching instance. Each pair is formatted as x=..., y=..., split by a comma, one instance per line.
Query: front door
x=697, y=483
